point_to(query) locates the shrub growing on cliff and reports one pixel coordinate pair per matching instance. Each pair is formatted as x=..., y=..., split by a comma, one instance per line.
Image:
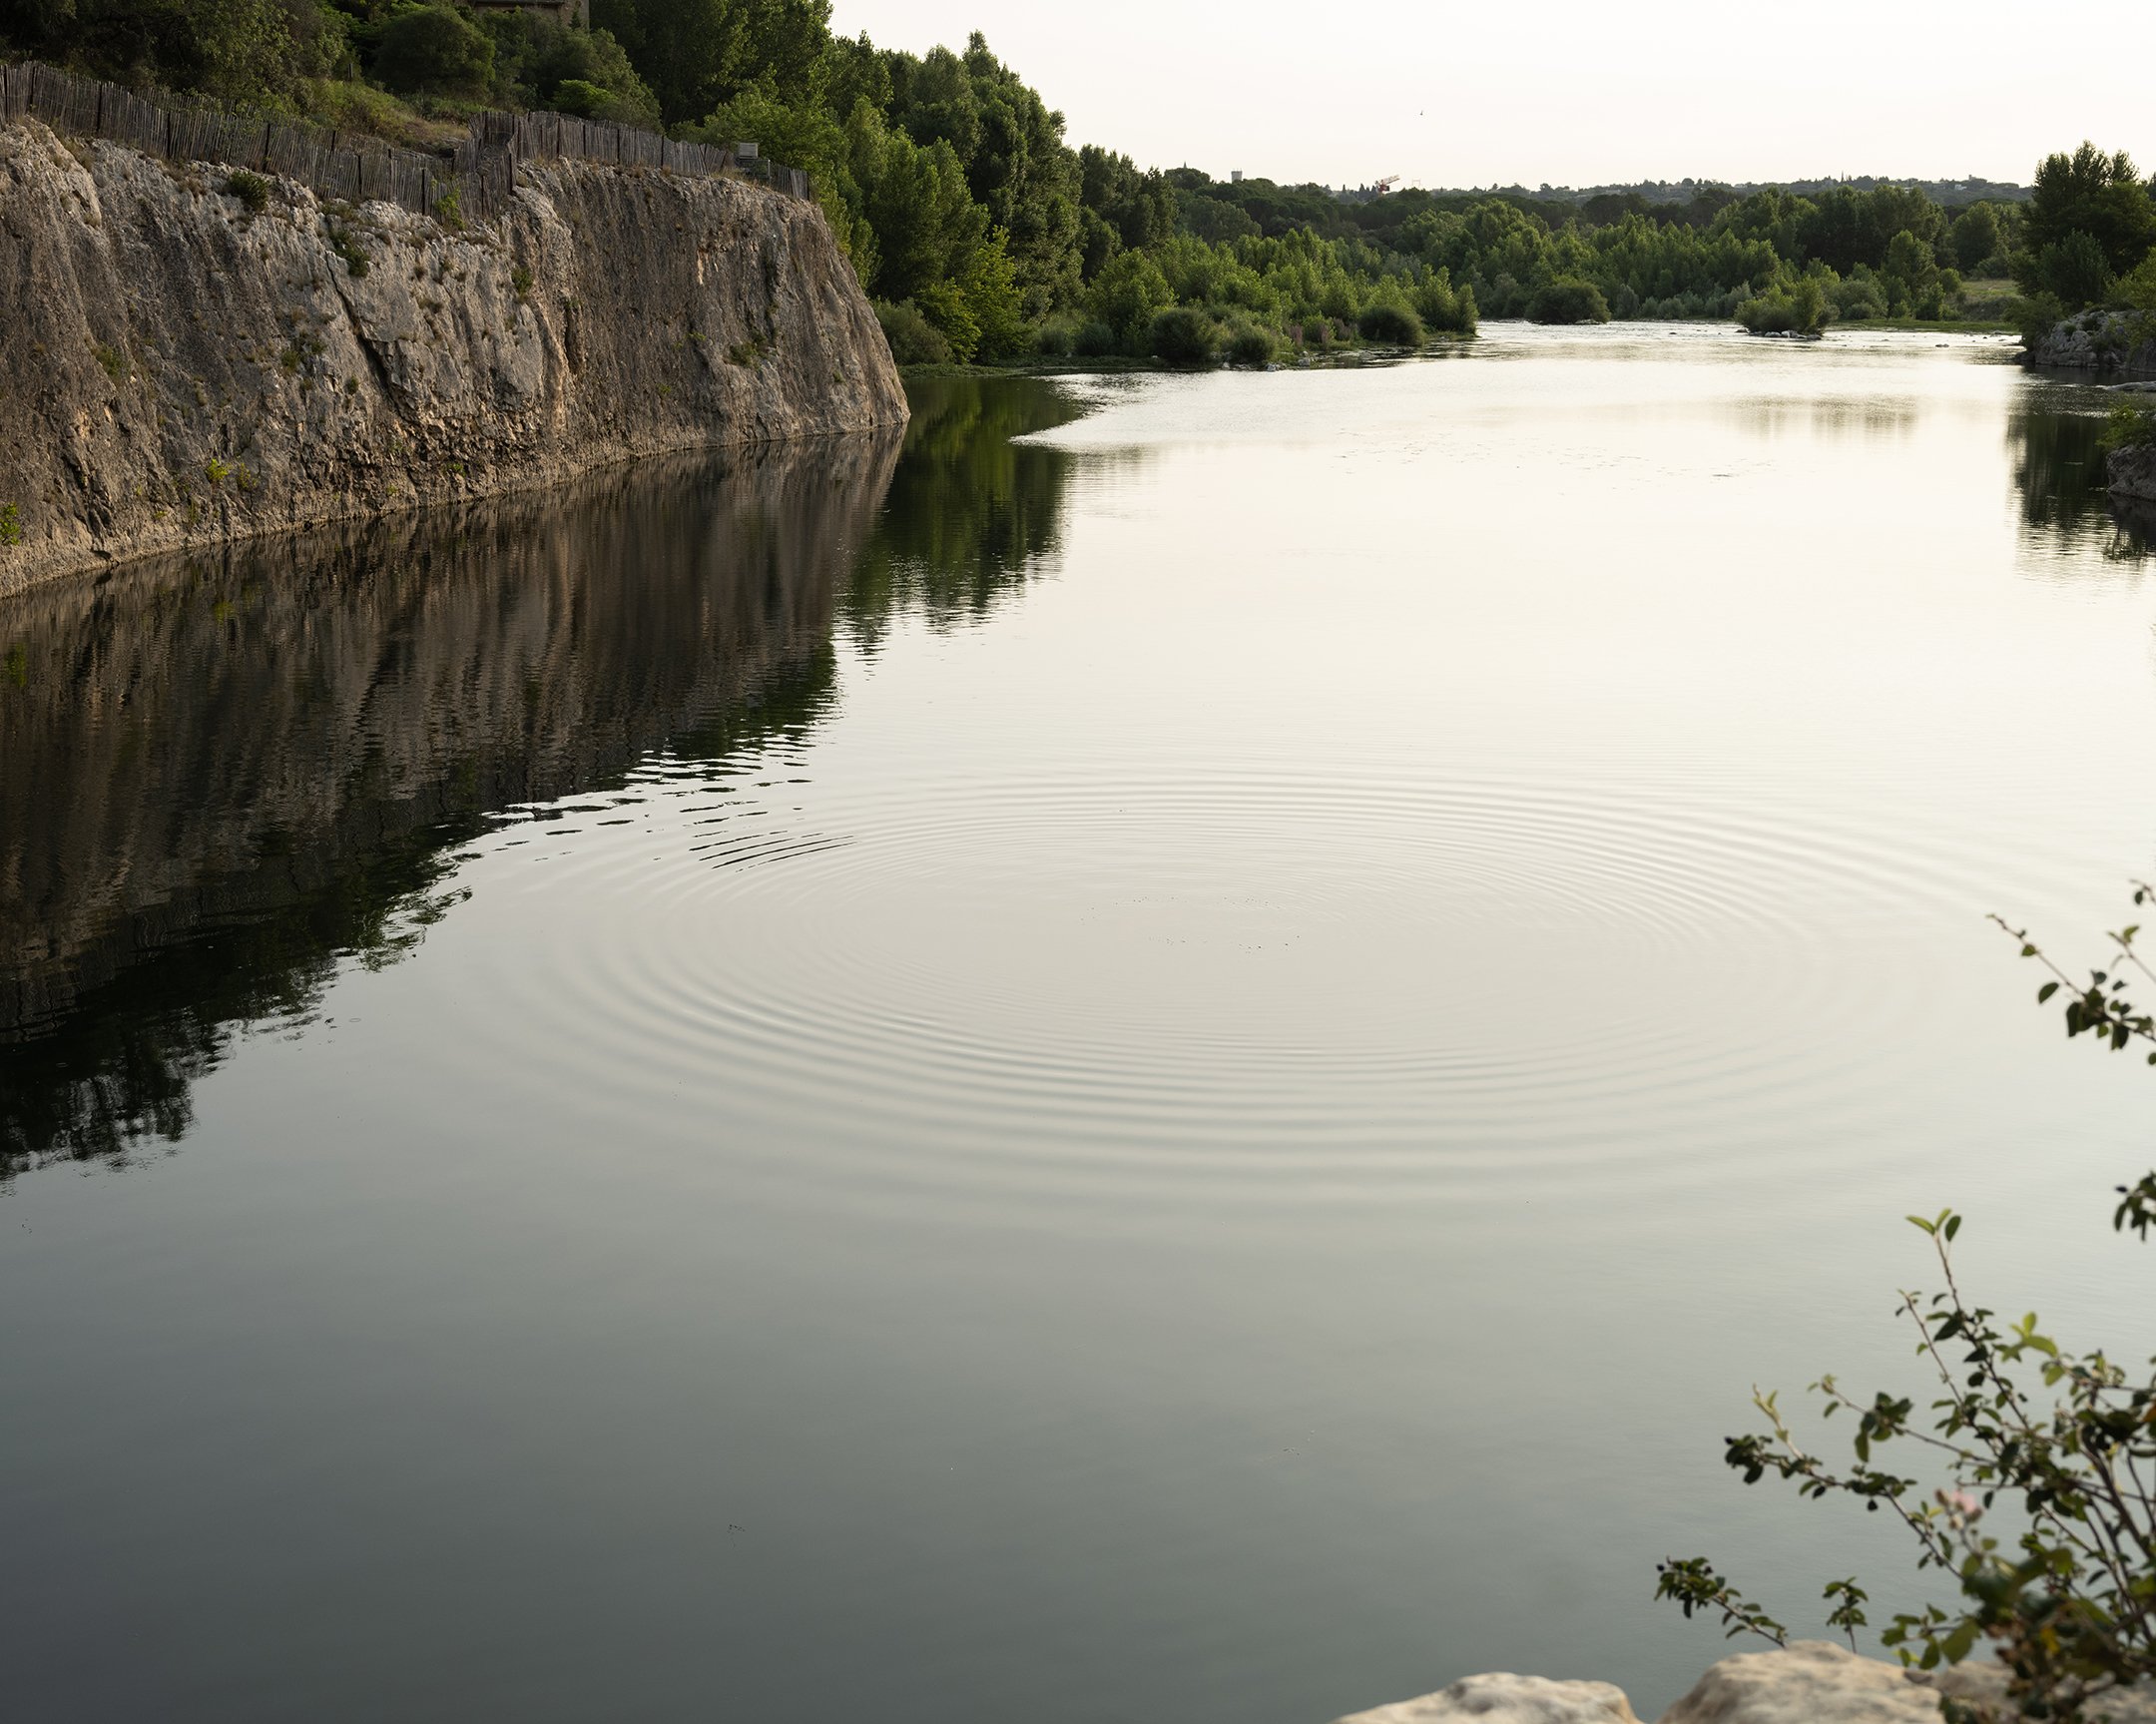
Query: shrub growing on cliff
x=10, y=524
x=345, y=244
x=251, y=190
x=2065, y=1441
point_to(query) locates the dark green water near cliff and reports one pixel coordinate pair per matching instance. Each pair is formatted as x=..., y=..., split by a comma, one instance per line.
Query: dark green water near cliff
x=1168, y=1053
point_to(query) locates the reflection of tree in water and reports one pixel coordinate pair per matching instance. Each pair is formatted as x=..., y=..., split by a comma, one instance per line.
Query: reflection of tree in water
x=968, y=510
x=2059, y=473
x=120, y=1065
x=220, y=780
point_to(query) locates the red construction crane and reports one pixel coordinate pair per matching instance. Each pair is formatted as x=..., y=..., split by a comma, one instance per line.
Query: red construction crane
x=1387, y=184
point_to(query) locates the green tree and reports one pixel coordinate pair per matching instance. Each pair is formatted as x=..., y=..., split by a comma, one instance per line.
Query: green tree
x=2074, y=271
x=1847, y=227
x=587, y=72
x=699, y=54
x=2093, y=194
x=1139, y=208
x=254, y=53
x=1911, y=274
x=1128, y=293
x=1980, y=237
x=434, y=49
x=993, y=299
x=804, y=134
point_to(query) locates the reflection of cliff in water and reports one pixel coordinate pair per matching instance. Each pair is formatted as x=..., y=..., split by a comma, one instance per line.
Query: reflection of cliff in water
x=970, y=510
x=2059, y=475
x=220, y=779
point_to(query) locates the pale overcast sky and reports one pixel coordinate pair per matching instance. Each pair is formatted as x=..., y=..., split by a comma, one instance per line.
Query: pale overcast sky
x=1563, y=91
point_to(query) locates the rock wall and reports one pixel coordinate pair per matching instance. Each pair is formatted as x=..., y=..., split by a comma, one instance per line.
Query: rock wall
x=177, y=367
x=1811, y=1682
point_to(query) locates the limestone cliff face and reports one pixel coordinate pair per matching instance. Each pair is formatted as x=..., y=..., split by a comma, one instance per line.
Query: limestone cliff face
x=177, y=368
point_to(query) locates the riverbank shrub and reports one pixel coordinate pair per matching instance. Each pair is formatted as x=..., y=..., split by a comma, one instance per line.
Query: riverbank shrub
x=2035, y=316
x=1568, y=300
x=1443, y=307
x=1392, y=321
x=914, y=339
x=2043, y=1501
x=1184, y=335
x=1799, y=309
x=1252, y=344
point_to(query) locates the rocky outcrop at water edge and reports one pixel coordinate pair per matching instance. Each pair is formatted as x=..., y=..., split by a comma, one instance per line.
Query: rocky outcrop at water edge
x=2131, y=473
x=2098, y=341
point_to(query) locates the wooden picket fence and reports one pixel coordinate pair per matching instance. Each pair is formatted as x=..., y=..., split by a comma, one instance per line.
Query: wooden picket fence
x=481, y=172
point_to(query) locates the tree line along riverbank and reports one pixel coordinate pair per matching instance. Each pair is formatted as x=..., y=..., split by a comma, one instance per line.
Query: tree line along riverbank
x=982, y=233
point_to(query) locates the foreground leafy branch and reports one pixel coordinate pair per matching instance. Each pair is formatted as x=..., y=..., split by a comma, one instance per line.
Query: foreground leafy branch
x=2062, y=1444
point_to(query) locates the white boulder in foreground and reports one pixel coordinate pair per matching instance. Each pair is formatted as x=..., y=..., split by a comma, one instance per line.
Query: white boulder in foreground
x=1811, y=1682
x=1501, y=1698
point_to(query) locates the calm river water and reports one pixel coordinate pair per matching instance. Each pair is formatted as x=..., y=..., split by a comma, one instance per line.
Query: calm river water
x=1170, y=1054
